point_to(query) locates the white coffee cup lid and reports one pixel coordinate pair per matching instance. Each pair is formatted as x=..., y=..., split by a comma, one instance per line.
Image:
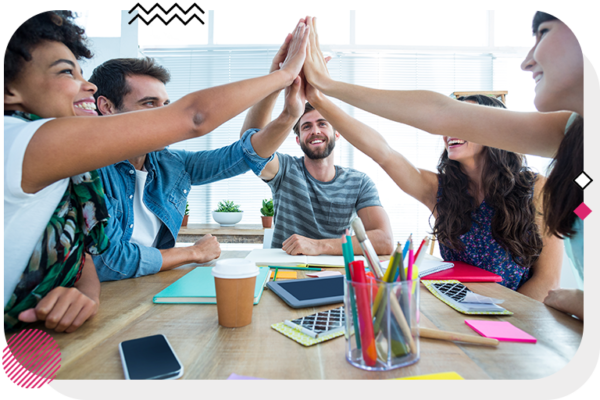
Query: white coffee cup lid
x=235, y=268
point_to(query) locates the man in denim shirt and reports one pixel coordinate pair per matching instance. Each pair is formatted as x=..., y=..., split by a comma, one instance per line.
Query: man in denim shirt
x=147, y=195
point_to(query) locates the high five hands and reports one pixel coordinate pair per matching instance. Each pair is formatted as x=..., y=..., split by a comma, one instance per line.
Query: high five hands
x=301, y=52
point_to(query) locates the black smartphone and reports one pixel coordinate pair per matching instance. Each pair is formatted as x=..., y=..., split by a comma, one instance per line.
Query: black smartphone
x=150, y=357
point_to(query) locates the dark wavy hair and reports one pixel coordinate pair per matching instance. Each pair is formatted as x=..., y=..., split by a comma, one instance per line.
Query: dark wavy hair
x=110, y=77
x=57, y=26
x=561, y=194
x=508, y=185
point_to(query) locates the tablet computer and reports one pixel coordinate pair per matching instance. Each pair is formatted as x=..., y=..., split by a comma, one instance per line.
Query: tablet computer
x=310, y=292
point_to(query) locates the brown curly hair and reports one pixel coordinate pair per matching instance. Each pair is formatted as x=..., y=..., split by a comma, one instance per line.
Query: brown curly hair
x=57, y=26
x=508, y=185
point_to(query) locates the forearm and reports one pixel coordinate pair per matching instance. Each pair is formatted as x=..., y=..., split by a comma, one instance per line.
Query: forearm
x=268, y=140
x=176, y=257
x=420, y=108
x=360, y=135
x=260, y=114
x=88, y=282
x=381, y=240
x=529, y=133
x=537, y=289
x=219, y=104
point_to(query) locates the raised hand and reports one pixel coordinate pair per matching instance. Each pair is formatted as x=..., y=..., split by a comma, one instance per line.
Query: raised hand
x=315, y=66
x=296, y=52
x=281, y=54
x=294, y=99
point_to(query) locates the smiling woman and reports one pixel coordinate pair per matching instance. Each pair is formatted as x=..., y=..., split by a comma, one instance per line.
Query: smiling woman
x=54, y=203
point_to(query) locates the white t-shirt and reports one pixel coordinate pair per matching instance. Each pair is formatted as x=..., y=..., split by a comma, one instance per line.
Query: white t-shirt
x=25, y=215
x=145, y=223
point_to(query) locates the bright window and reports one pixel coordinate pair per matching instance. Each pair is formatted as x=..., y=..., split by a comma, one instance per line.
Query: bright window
x=271, y=27
x=101, y=22
x=454, y=27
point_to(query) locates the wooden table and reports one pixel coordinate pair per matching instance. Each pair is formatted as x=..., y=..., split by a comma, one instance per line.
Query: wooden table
x=239, y=233
x=209, y=351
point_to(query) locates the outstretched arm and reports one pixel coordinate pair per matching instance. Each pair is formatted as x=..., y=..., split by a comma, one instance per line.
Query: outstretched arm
x=418, y=183
x=76, y=145
x=529, y=133
x=259, y=115
x=546, y=270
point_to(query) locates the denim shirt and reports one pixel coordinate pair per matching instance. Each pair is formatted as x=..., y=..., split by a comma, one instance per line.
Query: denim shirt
x=171, y=173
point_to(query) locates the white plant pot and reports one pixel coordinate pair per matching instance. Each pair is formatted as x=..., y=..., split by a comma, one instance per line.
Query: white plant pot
x=227, y=218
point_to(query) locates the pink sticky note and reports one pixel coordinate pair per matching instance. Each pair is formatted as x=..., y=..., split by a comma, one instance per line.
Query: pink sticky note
x=501, y=330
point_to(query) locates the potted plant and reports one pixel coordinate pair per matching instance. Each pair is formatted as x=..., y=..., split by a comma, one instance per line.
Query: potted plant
x=267, y=213
x=227, y=213
x=186, y=215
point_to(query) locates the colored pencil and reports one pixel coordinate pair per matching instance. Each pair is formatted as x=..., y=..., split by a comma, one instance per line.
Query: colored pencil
x=421, y=255
x=400, y=275
x=346, y=253
x=369, y=351
x=420, y=247
x=432, y=245
x=275, y=276
x=411, y=261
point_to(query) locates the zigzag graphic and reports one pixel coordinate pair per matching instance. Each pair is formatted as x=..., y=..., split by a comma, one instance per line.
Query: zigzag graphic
x=166, y=12
x=140, y=6
x=166, y=22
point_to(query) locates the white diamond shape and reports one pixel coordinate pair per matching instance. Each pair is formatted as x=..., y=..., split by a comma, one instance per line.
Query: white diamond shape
x=582, y=180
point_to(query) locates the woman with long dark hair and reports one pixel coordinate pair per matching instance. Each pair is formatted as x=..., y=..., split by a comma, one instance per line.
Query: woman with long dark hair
x=486, y=202
x=556, y=62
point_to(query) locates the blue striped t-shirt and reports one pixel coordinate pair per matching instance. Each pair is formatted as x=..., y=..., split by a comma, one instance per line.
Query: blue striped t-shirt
x=315, y=209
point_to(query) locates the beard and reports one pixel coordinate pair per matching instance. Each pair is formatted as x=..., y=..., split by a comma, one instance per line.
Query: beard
x=318, y=155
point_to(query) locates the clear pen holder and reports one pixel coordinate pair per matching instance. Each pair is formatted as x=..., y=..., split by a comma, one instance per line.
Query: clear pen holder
x=382, y=330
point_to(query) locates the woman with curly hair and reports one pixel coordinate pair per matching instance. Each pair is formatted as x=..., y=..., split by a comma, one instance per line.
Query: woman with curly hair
x=556, y=63
x=486, y=202
x=54, y=207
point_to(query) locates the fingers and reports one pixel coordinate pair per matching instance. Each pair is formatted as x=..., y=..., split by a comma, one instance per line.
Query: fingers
x=28, y=315
x=327, y=59
x=63, y=309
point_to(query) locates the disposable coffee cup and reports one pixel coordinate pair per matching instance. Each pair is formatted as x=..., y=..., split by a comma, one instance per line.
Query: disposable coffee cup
x=234, y=282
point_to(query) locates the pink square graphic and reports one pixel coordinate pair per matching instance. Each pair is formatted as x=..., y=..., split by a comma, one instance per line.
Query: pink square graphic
x=582, y=211
x=501, y=330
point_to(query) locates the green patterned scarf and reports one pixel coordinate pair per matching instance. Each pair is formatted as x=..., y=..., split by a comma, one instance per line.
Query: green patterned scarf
x=76, y=226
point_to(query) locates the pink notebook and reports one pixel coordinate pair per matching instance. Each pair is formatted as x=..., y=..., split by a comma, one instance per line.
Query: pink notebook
x=463, y=272
x=501, y=330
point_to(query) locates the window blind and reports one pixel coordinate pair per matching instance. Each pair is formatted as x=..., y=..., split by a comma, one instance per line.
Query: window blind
x=194, y=69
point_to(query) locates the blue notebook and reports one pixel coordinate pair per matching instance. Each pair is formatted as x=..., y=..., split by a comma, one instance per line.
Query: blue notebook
x=198, y=287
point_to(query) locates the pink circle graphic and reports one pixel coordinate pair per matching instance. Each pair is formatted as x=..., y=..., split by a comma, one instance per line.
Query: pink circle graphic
x=31, y=359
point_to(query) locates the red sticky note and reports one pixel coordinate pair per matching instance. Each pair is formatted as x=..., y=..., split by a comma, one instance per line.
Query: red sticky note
x=501, y=330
